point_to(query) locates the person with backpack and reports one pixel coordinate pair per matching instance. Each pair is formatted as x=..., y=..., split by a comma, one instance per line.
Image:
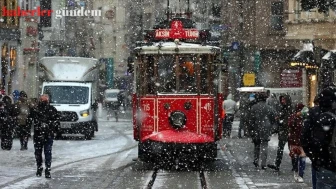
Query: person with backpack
x=46, y=123
x=261, y=118
x=319, y=139
x=308, y=123
x=296, y=151
x=284, y=114
x=22, y=119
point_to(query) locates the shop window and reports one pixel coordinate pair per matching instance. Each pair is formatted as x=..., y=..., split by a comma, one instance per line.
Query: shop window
x=4, y=55
x=277, y=16
x=12, y=20
x=27, y=4
x=6, y=17
x=12, y=58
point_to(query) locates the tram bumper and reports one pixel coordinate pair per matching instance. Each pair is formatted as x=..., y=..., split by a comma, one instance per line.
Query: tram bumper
x=185, y=146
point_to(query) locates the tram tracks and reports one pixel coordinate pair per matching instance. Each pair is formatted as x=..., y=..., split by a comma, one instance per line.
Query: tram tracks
x=189, y=179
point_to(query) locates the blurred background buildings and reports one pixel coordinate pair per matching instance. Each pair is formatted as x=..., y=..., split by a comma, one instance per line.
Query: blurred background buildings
x=260, y=39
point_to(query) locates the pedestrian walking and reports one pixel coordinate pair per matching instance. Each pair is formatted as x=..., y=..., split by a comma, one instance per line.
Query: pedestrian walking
x=46, y=124
x=22, y=120
x=319, y=139
x=306, y=143
x=245, y=108
x=230, y=108
x=284, y=114
x=9, y=113
x=296, y=151
x=261, y=118
x=275, y=104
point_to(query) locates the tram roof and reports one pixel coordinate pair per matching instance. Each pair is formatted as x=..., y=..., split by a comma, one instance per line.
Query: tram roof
x=177, y=48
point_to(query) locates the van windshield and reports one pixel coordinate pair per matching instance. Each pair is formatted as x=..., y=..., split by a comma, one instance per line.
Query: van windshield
x=67, y=94
x=111, y=95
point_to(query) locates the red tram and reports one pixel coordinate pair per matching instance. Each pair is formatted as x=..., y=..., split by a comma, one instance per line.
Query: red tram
x=177, y=97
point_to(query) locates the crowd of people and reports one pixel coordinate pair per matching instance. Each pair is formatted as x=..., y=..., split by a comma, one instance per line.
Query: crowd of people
x=18, y=118
x=309, y=132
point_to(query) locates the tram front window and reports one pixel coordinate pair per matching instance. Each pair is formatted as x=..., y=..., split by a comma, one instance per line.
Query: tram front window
x=176, y=77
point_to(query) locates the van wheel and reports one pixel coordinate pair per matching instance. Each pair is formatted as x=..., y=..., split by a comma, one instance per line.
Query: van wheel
x=92, y=133
x=88, y=136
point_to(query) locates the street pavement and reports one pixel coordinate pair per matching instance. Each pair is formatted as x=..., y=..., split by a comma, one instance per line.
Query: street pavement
x=99, y=164
x=240, y=153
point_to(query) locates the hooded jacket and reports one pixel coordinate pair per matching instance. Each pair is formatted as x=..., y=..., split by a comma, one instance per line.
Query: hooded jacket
x=284, y=115
x=229, y=105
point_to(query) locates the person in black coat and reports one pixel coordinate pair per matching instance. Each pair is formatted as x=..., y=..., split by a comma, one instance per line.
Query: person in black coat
x=316, y=139
x=8, y=119
x=46, y=123
x=284, y=115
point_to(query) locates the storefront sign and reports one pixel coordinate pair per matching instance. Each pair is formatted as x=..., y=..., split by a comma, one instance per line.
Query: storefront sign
x=291, y=78
x=249, y=79
x=9, y=34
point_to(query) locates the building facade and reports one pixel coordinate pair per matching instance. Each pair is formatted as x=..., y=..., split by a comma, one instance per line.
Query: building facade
x=311, y=25
x=254, y=42
x=10, y=41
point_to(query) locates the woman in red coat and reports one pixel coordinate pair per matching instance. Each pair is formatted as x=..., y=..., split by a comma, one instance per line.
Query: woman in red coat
x=296, y=151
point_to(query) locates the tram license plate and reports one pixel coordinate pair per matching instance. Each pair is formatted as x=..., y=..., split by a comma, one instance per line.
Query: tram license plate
x=65, y=125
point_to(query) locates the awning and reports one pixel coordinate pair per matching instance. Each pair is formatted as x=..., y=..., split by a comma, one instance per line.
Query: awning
x=331, y=56
x=329, y=59
x=305, y=57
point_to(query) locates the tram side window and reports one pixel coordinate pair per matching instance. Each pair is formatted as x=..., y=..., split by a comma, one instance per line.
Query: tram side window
x=166, y=74
x=150, y=81
x=204, y=75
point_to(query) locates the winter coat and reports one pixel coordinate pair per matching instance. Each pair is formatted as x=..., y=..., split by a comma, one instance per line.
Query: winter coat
x=23, y=106
x=274, y=103
x=261, y=118
x=46, y=121
x=317, y=150
x=10, y=111
x=284, y=114
x=229, y=105
x=295, y=124
x=306, y=133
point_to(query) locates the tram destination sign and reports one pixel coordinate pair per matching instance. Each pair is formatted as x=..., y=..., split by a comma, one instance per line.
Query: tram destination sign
x=176, y=32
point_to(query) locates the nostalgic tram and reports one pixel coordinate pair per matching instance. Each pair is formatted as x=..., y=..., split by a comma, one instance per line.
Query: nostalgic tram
x=177, y=97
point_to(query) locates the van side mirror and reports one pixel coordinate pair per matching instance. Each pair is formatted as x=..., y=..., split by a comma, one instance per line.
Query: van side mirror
x=95, y=105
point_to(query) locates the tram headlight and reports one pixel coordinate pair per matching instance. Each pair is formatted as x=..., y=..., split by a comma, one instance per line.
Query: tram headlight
x=177, y=119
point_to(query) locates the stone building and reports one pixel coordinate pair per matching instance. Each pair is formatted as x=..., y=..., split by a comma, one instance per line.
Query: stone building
x=316, y=28
x=254, y=41
x=10, y=43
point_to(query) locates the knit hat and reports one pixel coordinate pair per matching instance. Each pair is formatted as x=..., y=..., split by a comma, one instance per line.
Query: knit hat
x=252, y=97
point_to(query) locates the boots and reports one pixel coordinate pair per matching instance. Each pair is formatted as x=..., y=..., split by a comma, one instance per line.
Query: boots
x=47, y=173
x=39, y=171
x=274, y=167
x=24, y=143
